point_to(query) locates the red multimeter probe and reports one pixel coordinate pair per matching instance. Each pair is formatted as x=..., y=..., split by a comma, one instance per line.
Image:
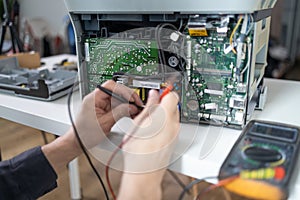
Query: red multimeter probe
x=166, y=91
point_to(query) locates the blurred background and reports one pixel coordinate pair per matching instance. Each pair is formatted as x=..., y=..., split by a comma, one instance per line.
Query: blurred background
x=284, y=51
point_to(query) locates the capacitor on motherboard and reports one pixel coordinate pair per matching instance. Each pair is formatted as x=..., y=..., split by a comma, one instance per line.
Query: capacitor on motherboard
x=192, y=105
x=139, y=68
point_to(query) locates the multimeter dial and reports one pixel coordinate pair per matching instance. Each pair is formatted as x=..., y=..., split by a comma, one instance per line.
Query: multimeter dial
x=266, y=147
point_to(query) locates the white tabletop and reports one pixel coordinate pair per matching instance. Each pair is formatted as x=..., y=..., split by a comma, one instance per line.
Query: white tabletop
x=51, y=116
x=201, y=148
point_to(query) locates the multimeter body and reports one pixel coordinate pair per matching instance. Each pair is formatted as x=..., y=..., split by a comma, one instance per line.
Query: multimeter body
x=264, y=145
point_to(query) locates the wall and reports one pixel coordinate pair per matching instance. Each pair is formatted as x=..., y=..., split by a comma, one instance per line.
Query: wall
x=54, y=14
x=52, y=11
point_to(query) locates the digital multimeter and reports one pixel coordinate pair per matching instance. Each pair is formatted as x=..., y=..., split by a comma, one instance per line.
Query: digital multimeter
x=265, y=152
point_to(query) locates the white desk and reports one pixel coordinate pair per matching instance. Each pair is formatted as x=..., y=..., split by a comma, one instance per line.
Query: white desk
x=51, y=116
x=208, y=149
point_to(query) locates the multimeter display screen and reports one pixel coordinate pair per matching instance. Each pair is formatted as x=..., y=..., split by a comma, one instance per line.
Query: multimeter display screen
x=275, y=132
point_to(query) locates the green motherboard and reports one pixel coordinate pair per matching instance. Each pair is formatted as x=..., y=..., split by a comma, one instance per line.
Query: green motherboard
x=212, y=59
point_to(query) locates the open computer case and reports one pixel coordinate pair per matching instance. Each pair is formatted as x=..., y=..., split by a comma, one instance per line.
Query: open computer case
x=216, y=50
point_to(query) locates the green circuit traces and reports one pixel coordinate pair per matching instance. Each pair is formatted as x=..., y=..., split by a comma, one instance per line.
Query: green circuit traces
x=218, y=86
x=108, y=56
x=214, y=88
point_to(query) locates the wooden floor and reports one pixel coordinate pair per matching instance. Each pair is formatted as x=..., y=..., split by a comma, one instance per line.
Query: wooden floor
x=16, y=138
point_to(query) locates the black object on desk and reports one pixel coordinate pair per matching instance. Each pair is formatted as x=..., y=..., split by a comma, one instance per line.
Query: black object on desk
x=265, y=151
x=46, y=85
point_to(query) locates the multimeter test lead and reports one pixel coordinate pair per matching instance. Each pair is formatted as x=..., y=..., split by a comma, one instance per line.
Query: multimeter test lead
x=118, y=97
x=166, y=91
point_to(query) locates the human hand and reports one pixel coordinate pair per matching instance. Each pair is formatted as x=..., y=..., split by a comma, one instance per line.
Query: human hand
x=99, y=112
x=153, y=135
x=148, y=147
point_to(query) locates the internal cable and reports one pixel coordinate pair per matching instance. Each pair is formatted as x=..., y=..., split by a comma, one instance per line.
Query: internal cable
x=161, y=56
x=233, y=32
x=81, y=144
x=251, y=22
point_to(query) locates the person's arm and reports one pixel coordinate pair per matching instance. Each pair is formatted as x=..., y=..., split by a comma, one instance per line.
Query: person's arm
x=62, y=150
x=26, y=176
x=34, y=172
x=145, y=186
x=146, y=155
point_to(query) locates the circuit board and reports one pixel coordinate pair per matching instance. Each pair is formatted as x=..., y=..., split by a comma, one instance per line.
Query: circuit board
x=108, y=56
x=220, y=95
x=213, y=82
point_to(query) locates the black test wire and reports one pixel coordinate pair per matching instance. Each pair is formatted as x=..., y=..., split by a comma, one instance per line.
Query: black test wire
x=221, y=183
x=209, y=188
x=81, y=144
x=119, y=98
x=191, y=184
x=122, y=100
x=177, y=179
